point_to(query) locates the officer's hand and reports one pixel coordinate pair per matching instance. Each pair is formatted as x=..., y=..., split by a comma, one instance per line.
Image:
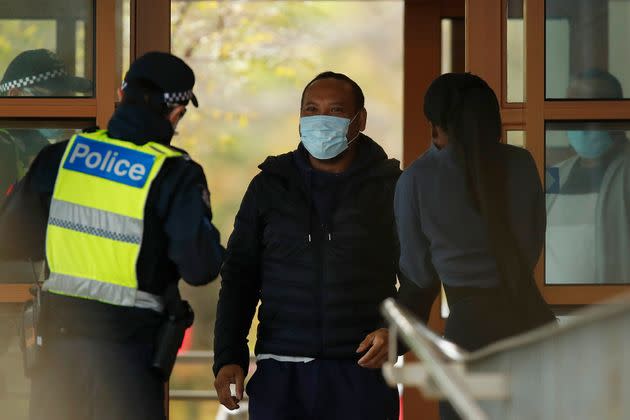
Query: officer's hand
x=230, y=374
x=377, y=342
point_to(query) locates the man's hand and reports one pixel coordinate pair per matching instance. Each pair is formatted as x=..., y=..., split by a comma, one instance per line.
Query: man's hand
x=230, y=374
x=377, y=355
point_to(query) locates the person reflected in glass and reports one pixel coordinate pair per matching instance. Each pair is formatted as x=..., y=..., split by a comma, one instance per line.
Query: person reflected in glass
x=588, y=212
x=314, y=242
x=39, y=73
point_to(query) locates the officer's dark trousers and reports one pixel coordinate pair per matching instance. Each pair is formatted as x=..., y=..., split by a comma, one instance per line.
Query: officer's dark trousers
x=87, y=379
x=320, y=390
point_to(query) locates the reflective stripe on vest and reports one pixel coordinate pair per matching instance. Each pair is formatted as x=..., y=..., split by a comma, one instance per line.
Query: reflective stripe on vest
x=96, y=220
x=104, y=292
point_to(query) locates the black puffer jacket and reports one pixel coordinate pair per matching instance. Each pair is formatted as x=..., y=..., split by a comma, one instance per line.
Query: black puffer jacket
x=319, y=285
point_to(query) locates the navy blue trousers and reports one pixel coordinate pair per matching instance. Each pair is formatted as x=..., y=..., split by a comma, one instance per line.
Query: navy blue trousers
x=320, y=390
x=87, y=379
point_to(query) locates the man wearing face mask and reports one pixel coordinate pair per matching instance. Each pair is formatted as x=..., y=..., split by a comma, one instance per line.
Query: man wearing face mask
x=120, y=216
x=314, y=242
x=587, y=239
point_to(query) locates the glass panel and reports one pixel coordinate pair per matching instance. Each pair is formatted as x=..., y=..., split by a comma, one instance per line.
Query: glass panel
x=447, y=51
x=192, y=390
x=191, y=372
x=588, y=213
x=191, y=378
x=46, y=48
x=515, y=51
x=14, y=385
x=20, y=141
x=453, y=45
x=199, y=410
x=18, y=147
x=516, y=138
x=123, y=38
x=586, y=49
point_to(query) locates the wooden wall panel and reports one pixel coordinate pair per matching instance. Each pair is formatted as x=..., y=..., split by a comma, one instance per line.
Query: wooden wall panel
x=105, y=60
x=535, y=94
x=25, y=107
x=422, y=59
x=12, y=293
x=483, y=41
x=452, y=8
x=152, y=29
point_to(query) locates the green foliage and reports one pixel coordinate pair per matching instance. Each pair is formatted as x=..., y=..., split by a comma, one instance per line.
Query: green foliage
x=239, y=51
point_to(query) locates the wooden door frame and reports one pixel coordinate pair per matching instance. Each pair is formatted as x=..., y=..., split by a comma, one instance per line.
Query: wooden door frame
x=485, y=54
x=151, y=30
x=422, y=64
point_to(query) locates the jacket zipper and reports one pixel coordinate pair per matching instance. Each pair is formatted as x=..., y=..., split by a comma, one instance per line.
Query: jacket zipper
x=325, y=248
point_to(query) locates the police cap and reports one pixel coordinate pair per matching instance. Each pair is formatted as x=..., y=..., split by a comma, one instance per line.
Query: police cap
x=42, y=68
x=170, y=74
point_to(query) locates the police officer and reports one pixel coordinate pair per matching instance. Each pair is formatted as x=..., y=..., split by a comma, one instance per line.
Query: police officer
x=37, y=72
x=120, y=215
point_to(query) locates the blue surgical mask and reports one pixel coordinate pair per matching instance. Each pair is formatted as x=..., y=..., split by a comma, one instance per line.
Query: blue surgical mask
x=590, y=144
x=324, y=136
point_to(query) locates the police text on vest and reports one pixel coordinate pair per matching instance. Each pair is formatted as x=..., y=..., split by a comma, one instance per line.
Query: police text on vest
x=109, y=161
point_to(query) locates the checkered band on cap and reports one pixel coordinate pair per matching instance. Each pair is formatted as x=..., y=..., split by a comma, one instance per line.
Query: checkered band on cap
x=31, y=80
x=171, y=98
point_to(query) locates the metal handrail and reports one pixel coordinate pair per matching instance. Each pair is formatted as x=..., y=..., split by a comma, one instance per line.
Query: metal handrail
x=202, y=355
x=192, y=395
x=448, y=349
x=424, y=345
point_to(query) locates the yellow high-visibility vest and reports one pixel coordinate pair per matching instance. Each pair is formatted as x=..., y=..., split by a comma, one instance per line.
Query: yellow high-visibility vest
x=96, y=221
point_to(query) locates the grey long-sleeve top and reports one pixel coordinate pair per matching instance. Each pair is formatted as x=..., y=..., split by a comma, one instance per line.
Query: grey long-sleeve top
x=442, y=236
